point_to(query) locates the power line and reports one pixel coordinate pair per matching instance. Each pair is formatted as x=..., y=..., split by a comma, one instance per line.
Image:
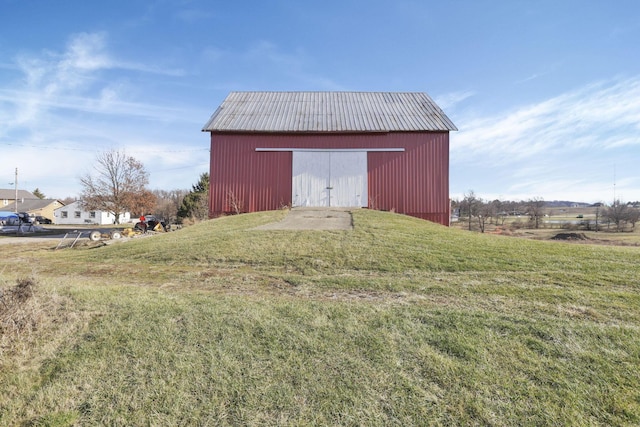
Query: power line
x=181, y=167
x=172, y=151
x=45, y=147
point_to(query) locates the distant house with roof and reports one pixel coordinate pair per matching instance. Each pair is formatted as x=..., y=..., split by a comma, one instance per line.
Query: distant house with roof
x=379, y=150
x=8, y=197
x=36, y=207
x=75, y=214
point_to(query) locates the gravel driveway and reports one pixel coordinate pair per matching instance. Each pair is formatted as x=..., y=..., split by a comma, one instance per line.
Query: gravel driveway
x=313, y=219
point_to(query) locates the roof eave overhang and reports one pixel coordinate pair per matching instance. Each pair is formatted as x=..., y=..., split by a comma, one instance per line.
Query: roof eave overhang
x=321, y=132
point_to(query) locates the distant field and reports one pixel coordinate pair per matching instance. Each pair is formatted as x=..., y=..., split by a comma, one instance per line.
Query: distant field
x=559, y=220
x=397, y=322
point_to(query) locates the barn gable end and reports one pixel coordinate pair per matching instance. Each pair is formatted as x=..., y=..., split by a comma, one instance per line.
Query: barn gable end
x=385, y=151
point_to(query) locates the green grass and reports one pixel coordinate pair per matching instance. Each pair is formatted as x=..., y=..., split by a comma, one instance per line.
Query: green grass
x=397, y=322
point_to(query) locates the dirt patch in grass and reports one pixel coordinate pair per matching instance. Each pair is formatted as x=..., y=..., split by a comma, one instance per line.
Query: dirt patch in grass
x=29, y=314
x=13, y=300
x=570, y=236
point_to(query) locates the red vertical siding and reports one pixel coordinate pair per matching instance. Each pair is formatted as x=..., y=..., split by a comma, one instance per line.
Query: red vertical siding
x=254, y=181
x=414, y=182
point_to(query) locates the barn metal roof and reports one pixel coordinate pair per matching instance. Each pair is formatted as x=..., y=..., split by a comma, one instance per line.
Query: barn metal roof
x=328, y=112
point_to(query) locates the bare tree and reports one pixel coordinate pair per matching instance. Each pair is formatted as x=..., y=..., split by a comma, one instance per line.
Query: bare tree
x=235, y=203
x=469, y=203
x=633, y=216
x=117, y=185
x=486, y=211
x=618, y=214
x=534, y=208
x=622, y=213
x=497, y=211
x=598, y=214
x=168, y=203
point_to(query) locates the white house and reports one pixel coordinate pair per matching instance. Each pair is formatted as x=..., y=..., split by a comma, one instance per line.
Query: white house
x=74, y=213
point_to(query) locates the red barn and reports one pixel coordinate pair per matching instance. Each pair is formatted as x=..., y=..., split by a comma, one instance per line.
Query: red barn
x=381, y=150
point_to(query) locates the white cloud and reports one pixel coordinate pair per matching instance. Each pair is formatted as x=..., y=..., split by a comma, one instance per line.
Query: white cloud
x=86, y=51
x=71, y=81
x=602, y=115
x=565, y=147
x=62, y=109
x=450, y=100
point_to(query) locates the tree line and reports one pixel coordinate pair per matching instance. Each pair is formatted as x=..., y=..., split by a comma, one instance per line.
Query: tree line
x=472, y=209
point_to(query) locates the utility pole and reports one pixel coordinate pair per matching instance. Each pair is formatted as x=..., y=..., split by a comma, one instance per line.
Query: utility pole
x=614, y=183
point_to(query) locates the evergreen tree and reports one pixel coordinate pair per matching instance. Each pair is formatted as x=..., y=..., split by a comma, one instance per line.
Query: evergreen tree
x=195, y=204
x=39, y=194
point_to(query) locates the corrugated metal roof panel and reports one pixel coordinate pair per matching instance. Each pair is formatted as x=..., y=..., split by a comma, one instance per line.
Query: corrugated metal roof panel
x=328, y=112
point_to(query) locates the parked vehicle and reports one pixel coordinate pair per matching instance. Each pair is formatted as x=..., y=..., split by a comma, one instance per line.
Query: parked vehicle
x=24, y=218
x=12, y=220
x=4, y=217
x=39, y=219
x=21, y=218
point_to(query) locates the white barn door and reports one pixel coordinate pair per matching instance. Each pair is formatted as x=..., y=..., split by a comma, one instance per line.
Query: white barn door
x=349, y=178
x=329, y=178
x=311, y=171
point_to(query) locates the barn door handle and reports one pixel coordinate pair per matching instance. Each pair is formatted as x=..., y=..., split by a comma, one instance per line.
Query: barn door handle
x=329, y=188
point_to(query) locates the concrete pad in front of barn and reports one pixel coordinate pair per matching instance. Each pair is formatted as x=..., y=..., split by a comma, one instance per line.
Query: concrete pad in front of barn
x=303, y=218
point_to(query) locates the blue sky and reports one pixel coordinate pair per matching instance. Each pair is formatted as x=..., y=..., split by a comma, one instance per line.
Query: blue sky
x=546, y=94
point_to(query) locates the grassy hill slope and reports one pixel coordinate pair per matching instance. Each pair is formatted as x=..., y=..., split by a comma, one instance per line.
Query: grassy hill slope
x=397, y=322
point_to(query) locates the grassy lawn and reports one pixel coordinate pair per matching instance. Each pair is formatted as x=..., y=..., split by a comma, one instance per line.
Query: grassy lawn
x=397, y=322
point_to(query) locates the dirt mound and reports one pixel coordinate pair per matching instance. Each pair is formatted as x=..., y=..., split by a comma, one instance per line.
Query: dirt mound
x=570, y=236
